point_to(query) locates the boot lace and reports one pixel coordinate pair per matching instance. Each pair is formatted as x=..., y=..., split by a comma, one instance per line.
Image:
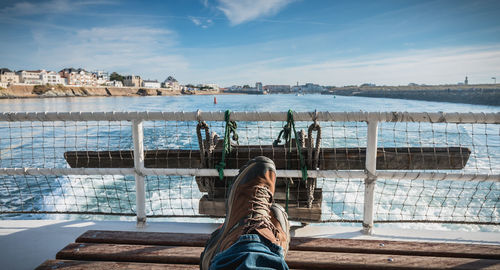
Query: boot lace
x=260, y=212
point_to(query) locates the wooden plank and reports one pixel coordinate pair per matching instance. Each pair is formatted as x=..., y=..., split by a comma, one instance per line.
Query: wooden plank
x=103, y=265
x=144, y=238
x=401, y=158
x=295, y=259
x=333, y=260
x=296, y=211
x=279, y=194
x=397, y=247
x=219, y=188
x=130, y=253
x=306, y=244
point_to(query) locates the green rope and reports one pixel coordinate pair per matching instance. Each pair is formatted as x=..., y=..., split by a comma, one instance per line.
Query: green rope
x=286, y=134
x=231, y=127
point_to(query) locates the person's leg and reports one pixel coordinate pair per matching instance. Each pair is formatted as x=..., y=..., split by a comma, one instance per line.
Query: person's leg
x=254, y=233
x=251, y=251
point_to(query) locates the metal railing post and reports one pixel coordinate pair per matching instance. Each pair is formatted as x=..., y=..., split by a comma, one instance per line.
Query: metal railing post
x=371, y=167
x=138, y=137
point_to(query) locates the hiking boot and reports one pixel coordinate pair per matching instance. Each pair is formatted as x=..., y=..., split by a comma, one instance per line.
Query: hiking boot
x=279, y=218
x=247, y=209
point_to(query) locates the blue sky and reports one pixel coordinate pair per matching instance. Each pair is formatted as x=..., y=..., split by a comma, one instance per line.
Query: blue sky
x=274, y=41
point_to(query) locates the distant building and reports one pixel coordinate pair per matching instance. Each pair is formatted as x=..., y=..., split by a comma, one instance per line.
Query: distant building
x=51, y=77
x=8, y=77
x=151, y=84
x=276, y=88
x=78, y=76
x=102, y=76
x=209, y=86
x=466, y=82
x=132, y=80
x=258, y=86
x=190, y=87
x=114, y=83
x=2, y=70
x=171, y=83
x=30, y=76
x=235, y=88
x=308, y=88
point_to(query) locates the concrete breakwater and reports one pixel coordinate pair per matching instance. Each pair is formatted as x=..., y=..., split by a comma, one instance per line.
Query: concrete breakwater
x=43, y=91
x=469, y=95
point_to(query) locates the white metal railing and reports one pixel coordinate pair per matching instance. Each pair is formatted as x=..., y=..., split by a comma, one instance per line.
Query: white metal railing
x=463, y=118
x=370, y=174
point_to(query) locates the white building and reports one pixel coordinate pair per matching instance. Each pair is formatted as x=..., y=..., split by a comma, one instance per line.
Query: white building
x=308, y=88
x=151, y=84
x=8, y=77
x=51, y=77
x=78, y=77
x=102, y=76
x=30, y=76
x=171, y=83
x=114, y=83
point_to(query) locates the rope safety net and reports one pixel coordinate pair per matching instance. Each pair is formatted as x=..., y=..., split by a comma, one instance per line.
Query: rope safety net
x=416, y=149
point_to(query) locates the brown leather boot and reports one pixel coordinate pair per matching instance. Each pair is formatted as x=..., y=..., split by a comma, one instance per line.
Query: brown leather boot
x=247, y=209
x=279, y=218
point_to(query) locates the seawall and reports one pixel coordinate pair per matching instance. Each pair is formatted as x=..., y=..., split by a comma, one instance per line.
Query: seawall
x=42, y=91
x=472, y=95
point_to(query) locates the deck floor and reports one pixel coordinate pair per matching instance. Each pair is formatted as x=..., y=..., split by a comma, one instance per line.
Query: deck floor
x=153, y=250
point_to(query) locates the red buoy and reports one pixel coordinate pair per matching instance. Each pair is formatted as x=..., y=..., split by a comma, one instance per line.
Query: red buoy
x=215, y=100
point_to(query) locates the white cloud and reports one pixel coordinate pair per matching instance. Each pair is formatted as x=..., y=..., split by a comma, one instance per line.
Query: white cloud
x=433, y=66
x=48, y=7
x=201, y=22
x=142, y=50
x=196, y=21
x=240, y=11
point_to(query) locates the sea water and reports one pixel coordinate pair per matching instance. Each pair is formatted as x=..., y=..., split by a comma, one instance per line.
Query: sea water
x=342, y=198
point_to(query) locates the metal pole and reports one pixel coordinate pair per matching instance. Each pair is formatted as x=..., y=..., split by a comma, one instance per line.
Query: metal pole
x=371, y=167
x=138, y=137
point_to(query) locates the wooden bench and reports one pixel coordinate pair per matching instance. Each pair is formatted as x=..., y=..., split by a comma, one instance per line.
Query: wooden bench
x=139, y=250
x=299, y=205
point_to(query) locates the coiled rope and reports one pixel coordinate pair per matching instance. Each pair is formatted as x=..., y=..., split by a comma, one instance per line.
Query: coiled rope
x=231, y=127
x=313, y=162
x=286, y=134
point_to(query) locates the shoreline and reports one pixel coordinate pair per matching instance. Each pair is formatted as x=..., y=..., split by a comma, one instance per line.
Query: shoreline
x=478, y=95
x=55, y=91
x=467, y=94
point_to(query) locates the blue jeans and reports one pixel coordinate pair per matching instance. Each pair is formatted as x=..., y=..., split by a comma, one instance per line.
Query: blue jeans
x=251, y=251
